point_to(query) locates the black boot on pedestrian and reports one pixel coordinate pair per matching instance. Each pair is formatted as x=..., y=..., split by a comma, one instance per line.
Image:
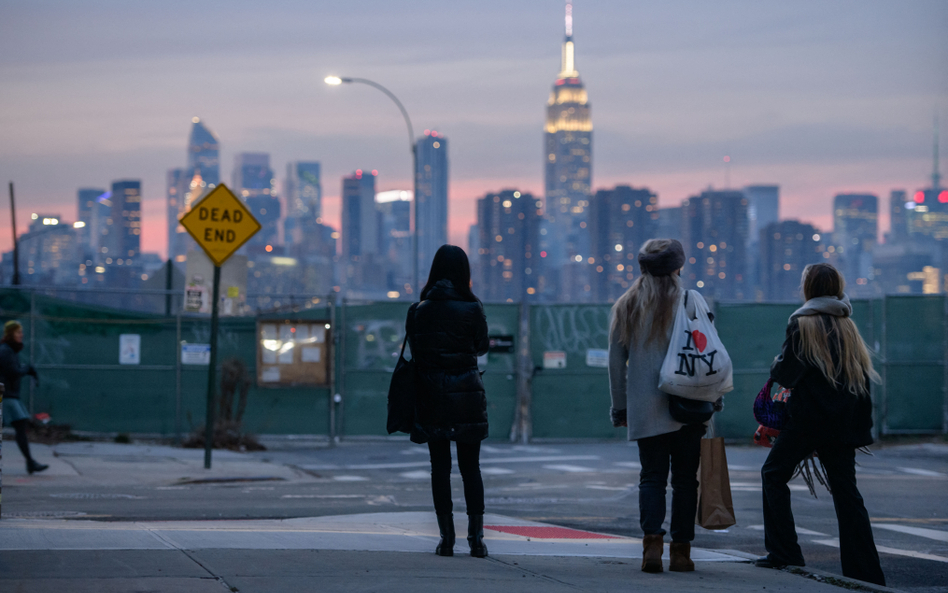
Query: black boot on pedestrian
x=475, y=535
x=33, y=466
x=446, y=527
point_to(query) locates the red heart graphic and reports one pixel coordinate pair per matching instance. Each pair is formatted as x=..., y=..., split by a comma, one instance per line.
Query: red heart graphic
x=700, y=339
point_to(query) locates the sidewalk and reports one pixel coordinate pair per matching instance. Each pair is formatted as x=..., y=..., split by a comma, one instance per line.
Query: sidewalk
x=354, y=552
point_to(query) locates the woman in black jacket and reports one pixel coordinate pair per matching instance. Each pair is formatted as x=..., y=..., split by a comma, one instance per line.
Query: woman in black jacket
x=828, y=368
x=447, y=331
x=11, y=373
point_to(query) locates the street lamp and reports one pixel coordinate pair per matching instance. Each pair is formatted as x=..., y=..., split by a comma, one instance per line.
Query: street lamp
x=336, y=81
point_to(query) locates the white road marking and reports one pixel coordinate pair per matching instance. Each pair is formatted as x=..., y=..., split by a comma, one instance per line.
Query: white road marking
x=323, y=496
x=894, y=551
x=573, y=469
x=489, y=449
x=534, y=449
x=598, y=487
x=934, y=534
x=416, y=475
x=923, y=472
x=756, y=487
x=628, y=464
x=742, y=468
x=800, y=530
x=415, y=451
x=410, y=464
x=350, y=478
x=496, y=471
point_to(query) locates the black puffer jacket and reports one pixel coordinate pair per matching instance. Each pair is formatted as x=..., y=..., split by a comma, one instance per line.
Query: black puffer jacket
x=446, y=334
x=12, y=371
x=816, y=405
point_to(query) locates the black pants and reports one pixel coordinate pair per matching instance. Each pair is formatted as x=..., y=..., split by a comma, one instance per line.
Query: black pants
x=683, y=448
x=469, y=463
x=857, y=550
x=22, y=441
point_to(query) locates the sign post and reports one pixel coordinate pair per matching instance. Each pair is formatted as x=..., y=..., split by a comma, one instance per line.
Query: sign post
x=221, y=224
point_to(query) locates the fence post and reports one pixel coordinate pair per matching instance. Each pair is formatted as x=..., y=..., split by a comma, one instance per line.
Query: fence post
x=331, y=359
x=944, y=320
x=339, y=398
x=177, y=378
x=522, y=427
x=32, y=344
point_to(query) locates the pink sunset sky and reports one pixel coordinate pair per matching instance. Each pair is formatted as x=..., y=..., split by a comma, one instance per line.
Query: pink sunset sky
x=819, y=98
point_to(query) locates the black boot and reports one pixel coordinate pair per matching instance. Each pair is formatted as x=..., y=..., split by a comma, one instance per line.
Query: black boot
x=475, y=535
x=446, y=527
x=33, y=466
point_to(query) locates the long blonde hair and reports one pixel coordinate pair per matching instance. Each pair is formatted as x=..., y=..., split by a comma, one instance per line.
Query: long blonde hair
x=821, y=335
x=649, y=303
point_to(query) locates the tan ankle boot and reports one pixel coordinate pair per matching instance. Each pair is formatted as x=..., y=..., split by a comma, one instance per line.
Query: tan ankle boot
x=680, y=553
x=652, y=553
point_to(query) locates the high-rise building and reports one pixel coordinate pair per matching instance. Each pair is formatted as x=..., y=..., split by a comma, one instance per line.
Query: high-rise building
x=567, y=180
x=714, y=234
x=394, y=216
x=621, y=220
x=432, y=188
x=898, y=220
x=303, y=195
x=124, y=243
x=855, y=229
x=669, y=223
x=186, y=186
x=48, y=253
x=763, y=208
x=507, y=259
x=204, y=154
x=928, y=211
x=254, y=182
x=786, y=248
x=90, y=214
x=363, y=274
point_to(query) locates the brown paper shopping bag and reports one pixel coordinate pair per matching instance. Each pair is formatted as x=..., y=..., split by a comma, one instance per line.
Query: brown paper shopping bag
x=715, y=509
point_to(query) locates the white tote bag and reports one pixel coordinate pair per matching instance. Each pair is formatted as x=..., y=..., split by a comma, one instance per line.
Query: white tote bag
x=697, y=365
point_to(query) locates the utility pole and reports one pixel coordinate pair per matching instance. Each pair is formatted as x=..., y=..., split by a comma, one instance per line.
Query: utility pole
x=16, y=247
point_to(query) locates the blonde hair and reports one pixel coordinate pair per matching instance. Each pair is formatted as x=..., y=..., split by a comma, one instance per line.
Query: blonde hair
x=822, y=335
x=648, y=304
x=10, y=327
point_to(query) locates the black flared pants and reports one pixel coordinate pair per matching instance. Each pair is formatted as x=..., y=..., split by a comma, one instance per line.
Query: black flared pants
x=857, y=550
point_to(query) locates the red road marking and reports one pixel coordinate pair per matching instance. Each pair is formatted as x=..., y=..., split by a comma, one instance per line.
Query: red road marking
x=539, y=532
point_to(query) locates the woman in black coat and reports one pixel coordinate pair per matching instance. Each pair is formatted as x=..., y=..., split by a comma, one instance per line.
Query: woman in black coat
x=447, y=331
x=828, y=368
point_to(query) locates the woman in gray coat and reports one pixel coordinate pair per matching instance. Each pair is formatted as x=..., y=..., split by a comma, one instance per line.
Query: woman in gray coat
x=642, y=322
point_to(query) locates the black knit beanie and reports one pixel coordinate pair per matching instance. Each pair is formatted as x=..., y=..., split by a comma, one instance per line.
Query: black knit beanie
x=665, y=262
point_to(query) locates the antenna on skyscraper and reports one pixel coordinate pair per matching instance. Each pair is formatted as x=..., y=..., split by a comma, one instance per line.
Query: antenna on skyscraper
x=569, y=19
x=727, y=172
x=936, y=176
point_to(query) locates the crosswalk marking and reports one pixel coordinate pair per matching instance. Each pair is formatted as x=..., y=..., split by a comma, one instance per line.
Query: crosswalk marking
x=573, y=469
x=934, y=534
x=496, y=471
x=886, y=550
x=923, y=472
x=628, y=464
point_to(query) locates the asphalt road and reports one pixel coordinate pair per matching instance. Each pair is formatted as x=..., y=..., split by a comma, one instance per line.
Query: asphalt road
x=590, y=486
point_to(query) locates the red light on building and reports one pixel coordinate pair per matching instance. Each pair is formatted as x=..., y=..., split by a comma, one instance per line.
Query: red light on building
x=919, y=197
x=427, y=132
x=375, y=171
x=434, y=134
x=943, y=197
x=543, y=254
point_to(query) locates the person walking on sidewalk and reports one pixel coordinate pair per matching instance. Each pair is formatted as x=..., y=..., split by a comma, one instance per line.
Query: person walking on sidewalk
x=642, y=322
x=827, y=367
x=447, y=331
x=11, y=372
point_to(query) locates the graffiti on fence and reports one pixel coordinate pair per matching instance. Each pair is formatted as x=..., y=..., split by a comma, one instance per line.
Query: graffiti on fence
x=576, y=328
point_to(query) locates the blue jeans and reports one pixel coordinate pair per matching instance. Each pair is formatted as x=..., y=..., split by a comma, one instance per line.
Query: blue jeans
x=683, y=450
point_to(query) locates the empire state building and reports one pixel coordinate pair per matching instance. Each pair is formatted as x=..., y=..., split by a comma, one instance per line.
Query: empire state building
x=568, y=179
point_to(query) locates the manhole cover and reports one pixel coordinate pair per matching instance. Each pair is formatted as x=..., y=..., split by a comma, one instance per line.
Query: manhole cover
x=94, y=495
x=43, y=514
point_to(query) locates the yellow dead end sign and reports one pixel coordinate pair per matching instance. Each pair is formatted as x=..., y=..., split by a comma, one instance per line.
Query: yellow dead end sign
x=220, y=223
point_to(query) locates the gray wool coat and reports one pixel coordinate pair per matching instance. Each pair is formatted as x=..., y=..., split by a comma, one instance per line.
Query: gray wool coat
x=633, y=381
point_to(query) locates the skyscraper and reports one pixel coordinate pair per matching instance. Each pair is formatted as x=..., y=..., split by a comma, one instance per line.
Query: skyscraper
x=507, y=257
x=898, y=221
x=124, y=244
x=763, y=208
x=90, y=212
x=303, y=193
x=714, y=234
x=254, y=182
x=567, y=180
x=186, y=186
x=787, y=247
x=394, y=216
x=928, y=211
x=855, y=228
x=432, y=188
x=362, y=273
x=620, y=221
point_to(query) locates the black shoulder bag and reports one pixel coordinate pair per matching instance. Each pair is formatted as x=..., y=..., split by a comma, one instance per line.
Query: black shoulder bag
x=401, y=394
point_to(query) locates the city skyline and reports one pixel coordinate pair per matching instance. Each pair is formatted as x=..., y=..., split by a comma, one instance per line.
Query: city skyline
x=820, y=100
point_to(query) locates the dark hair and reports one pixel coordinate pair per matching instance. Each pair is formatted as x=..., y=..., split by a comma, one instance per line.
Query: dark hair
x=822, y=280
x=450, y=262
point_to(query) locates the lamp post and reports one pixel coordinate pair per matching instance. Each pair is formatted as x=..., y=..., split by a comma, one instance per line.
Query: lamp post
x=337, y=80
